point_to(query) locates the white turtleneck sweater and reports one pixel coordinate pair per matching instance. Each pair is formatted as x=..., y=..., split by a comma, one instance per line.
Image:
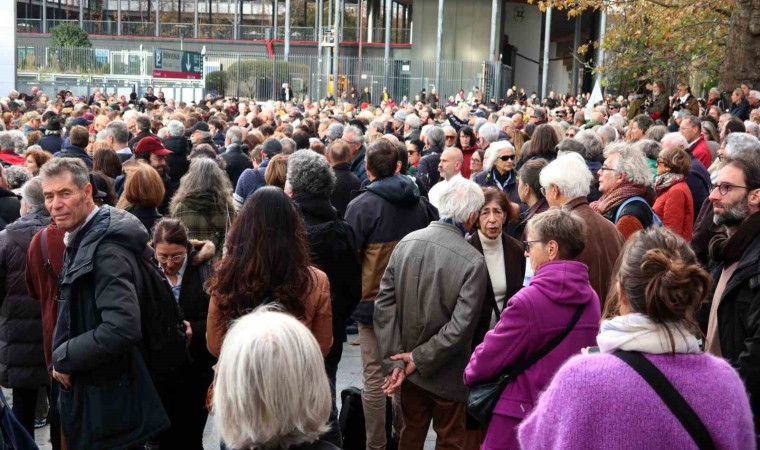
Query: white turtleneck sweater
x=493, y=250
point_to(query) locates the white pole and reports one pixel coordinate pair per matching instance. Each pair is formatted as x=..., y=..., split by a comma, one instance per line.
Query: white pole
x=547, y=41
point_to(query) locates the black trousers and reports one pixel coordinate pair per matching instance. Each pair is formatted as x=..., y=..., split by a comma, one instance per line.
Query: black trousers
x=331, y=367
x=24, y=405
x=184, y=399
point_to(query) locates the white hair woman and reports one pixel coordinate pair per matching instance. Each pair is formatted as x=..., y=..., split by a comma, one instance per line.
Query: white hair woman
x=625, y=176
x=271, y=388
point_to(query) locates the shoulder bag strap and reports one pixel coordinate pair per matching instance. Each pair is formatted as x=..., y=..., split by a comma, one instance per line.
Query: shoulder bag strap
x=525, y=365
x=670, y=396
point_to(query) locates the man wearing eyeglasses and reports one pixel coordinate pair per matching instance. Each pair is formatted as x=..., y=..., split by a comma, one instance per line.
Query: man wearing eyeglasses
x=733, y=327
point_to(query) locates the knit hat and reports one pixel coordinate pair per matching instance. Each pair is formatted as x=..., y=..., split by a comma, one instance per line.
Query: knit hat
x=152, y=144
x=272, y=147
x=400, y=116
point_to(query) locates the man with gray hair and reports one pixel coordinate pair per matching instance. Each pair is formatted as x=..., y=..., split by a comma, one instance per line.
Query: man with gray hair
x=141, y=128
x=488, y=134
x=117, y=135
x=235, y=158
x=9, y=204
x=22, y=363
x=411, y=127
x=98, y=328
x=754, y=99
x=354, y=137
x=310, y=181
x=425, y=322
x=566, y=181
x=427, y=169
x=177, y=161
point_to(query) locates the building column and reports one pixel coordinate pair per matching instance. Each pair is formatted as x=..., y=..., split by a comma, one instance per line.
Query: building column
x=576, y=44
x=195, y=20
x=275, y=15
x=158, y=18
x=439, y=46
x=319, y=12
x=336, y=47
x=387, y=77
x=547, y=42
x=599, y=60
x=8, y=52
x=492, y=56
x=81, y=13
x=287, y=30
x=43, y=28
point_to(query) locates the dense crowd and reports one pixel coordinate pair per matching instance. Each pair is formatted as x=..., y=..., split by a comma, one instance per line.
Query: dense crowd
x=521, y=272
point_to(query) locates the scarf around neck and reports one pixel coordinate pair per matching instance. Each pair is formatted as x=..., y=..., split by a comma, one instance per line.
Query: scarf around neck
x=729, y=250
x=666, y=180
x=637, y=332
x=617, y=196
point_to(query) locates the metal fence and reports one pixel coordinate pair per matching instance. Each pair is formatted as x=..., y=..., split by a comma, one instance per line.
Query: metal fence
x=256, y=76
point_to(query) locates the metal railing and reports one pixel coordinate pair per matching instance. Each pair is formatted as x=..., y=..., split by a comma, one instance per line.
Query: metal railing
x=225, y=31
x=255, y=75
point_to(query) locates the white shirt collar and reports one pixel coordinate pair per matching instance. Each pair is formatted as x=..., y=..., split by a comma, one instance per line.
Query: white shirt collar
x=70, y=235
x=684, y=98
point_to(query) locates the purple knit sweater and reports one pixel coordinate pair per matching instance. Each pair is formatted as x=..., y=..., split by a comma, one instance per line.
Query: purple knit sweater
x=599, y=402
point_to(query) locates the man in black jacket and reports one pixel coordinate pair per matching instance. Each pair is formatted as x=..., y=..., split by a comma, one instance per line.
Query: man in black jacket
x=79, y=137
x=236, y=159
x=346, y=182
x=10, y=206
x=733, y=328
x=107, y=398
x=333, y=248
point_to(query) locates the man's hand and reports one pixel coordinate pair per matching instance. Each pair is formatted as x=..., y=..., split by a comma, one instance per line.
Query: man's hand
x=393, y=381
x=188, y=332
x=407, y=358
x=62, y=378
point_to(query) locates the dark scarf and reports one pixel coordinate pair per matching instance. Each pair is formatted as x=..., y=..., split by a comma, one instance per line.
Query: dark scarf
x=729, y=250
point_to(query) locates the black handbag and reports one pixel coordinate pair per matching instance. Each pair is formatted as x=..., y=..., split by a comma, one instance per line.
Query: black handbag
x=483, y=397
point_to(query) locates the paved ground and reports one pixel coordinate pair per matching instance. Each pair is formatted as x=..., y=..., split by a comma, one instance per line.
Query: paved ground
x=349, y=374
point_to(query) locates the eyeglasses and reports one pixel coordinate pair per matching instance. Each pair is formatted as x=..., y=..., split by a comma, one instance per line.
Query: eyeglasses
x=526, y=245
x=607, y=168
x=725, y=188
x=507, y=158
x=451, y=137
x=176, y=259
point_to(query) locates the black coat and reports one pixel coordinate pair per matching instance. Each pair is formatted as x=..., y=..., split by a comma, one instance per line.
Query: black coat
x=178, y=161
x=741, y=110
x=194, y=301
x=112, y=402
x=72, y=151
x=334, y=251
x=10, y=207
x=739, y=321
x=346, y=182
x=51, y=143
x=22, y=359
x=237, y=162
x=148, y=216
x=427, y=169
x=514, y=265
x=133, y=142
x=283, y=92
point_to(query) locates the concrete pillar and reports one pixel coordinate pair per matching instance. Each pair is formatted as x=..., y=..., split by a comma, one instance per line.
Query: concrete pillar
x=599, y=59
x=236, y=22
x=195, y=20
x=388, y=13
x=320, y=10
x=576, y=44
x=439, y=46
x=8, y=53
x=492, y=55
x=547, y=41
x=158, y=18
x=336, y=51
x=287, y=30
x=370, y=19
x=81, y=13
x=43, y=28
x=275, y=15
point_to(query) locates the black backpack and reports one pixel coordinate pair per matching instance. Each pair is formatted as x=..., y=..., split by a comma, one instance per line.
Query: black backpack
x=351, y=421
x=164, y=342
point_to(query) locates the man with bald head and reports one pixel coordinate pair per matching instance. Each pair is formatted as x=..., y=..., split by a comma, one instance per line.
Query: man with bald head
x=449, y=166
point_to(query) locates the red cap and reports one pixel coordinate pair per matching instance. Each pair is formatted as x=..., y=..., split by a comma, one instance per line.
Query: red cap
x=152, y=144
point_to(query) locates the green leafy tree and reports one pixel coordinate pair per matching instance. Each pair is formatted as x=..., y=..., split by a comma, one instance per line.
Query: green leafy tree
x=69, y=35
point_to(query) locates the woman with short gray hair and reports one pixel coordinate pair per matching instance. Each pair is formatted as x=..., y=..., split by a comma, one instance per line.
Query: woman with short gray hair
x=625, y=182
x=271, y=389
x=559, y=297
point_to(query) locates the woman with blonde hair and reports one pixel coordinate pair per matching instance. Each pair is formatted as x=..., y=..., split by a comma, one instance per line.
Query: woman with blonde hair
x=277, y=171
x=271, y=389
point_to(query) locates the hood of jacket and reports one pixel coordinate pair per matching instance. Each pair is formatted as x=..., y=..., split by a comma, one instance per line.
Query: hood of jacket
x=563, y=282
x=23, y=230
x=398, y=189
x=108, y=225
x=203, y=202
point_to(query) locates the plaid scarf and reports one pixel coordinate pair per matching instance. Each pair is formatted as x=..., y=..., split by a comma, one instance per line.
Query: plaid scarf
x=666, y=180
x=617, y=196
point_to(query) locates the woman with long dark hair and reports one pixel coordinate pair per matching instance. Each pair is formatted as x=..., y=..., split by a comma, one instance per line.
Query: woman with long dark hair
x=468, y=144
x=267, y=261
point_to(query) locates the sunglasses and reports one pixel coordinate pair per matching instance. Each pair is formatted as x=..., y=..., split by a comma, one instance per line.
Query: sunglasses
x=451, y=137
x=507, y=158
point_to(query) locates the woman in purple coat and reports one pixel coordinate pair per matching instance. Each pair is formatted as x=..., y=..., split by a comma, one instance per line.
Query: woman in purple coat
x=597, y=401
x=533, y=317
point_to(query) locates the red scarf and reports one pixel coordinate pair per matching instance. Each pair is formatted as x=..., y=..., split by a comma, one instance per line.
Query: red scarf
x=617, y=196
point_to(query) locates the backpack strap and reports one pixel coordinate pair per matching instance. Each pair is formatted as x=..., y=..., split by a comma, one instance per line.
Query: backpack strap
x=670, y=396
x=45, y=256
x=648, y=219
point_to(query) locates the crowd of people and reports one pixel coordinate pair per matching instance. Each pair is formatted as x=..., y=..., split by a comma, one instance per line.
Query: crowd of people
x=551, y=245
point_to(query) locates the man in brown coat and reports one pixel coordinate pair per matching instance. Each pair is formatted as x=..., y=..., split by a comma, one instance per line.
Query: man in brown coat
x=567, y=181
